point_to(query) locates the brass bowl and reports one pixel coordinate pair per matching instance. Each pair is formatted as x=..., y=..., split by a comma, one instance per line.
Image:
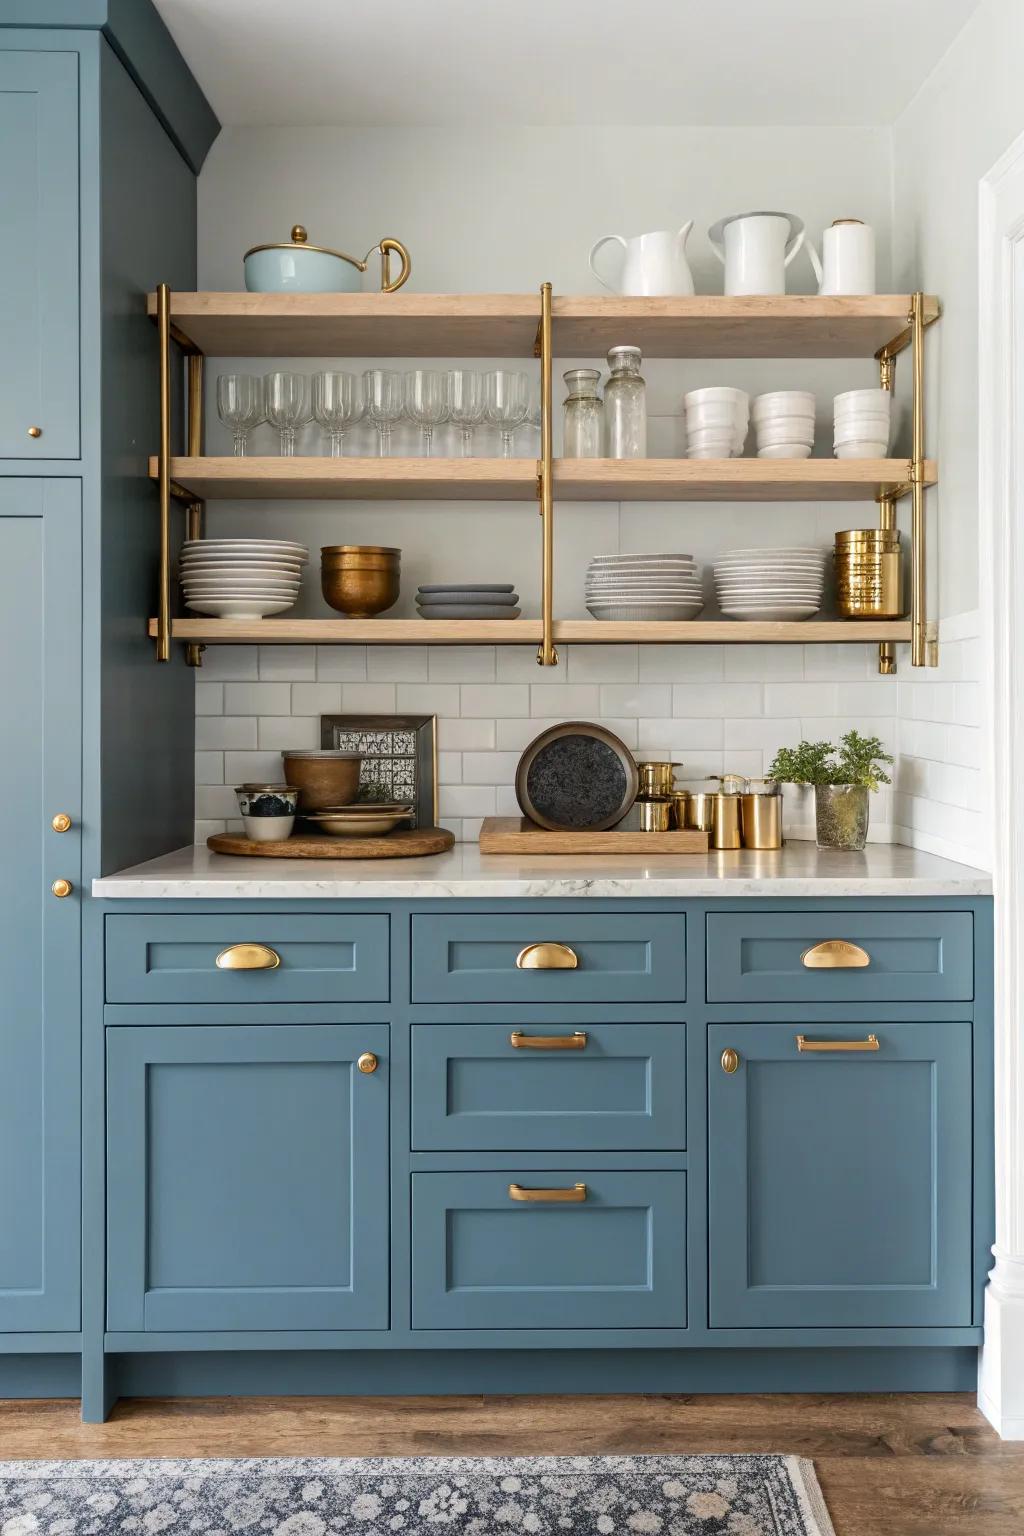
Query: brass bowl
x=323, y=779
x=360, y=581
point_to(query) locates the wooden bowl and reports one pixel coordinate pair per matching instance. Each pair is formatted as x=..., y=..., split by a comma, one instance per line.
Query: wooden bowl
x=323, y=778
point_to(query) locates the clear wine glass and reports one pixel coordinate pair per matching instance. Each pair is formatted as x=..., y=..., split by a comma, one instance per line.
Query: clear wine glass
x=426, y=401
x=506, y=402
x=287, y=406
x=337, y=406
x=240, y=406
x=385, y=402
x=466, y=404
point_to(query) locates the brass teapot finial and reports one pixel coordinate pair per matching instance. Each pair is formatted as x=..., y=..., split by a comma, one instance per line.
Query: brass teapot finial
x=299, y=235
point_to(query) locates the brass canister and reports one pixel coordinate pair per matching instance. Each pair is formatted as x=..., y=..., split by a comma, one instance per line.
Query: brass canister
x=680, y=805
x=656, y=780
x=654, y=815
x=700, y=810
x=761, y=821
x=725, y=822
x=869, y=585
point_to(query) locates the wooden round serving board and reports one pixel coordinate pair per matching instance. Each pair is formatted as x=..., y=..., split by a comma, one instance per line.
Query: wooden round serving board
x=404, y=844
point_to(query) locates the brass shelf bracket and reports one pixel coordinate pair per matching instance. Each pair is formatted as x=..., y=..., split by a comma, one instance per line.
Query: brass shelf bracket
x=887, y=512
x=194, y=513
x=168, y=489
x=547, y=655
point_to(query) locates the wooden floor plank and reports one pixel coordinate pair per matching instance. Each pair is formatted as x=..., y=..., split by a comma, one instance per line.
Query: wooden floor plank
x=889, y=1464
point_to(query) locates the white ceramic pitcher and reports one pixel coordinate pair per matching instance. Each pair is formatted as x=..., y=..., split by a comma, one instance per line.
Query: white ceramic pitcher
x=756, y=249
x=653, y=265
x=848, y=258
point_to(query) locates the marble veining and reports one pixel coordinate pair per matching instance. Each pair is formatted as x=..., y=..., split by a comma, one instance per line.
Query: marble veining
x=798, y=870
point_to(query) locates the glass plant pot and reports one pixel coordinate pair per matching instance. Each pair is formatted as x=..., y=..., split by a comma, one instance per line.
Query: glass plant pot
x=841, y=814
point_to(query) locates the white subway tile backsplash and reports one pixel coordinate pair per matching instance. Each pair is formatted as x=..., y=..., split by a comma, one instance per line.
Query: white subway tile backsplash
x=639, y=700
x=340, y=663
x=727, y=700
x=289, y=732
x=396, y=663
x=767, y=734
x=489, y=767
x=213, y=800
x=257, y=699
x=676, y=664
x=466, y=800
x=224, y=663
x=495, y=701
x=209, y=768
x=602, y=663
x=682, y=735
x=505, y=802
x=426, y=698
x=801, y=699
x=288, y=663
x=449, y=767
x=209, y=698
x=461, y=663
x=763, y=663
x=368, y=698
x=215, y=732
x=518, y=664
x=564, y=701
x=316, y=698
x=466, y=735
x=205, y=829
x=253, y=768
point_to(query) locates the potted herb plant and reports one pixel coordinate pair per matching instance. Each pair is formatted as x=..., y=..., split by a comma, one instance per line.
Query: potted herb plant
x=843, y=779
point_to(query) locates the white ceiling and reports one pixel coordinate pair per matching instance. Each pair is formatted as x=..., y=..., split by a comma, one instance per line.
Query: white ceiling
x=641, y=62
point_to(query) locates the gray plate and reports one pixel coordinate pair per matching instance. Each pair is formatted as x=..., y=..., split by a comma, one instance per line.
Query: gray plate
x=470, y=586
x=468, y=611
x=482, y=598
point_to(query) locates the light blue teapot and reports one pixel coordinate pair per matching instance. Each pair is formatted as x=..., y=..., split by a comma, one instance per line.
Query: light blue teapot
x=295, y=266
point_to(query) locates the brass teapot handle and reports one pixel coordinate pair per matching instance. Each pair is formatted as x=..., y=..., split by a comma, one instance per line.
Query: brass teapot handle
x=386, y=246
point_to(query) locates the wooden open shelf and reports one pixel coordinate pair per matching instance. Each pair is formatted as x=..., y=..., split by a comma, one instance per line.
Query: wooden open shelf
x=320, y=479
x=529, y=632
x=505, y=324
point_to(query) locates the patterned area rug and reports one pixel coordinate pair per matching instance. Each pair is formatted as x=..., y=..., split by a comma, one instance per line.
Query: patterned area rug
x=443, y=1496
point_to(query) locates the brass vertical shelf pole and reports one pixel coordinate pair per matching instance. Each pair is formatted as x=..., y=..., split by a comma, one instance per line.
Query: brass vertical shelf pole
x=194, y=514
x=547, y=656
x=887, y=512
x=163, y=321
x=923, y=649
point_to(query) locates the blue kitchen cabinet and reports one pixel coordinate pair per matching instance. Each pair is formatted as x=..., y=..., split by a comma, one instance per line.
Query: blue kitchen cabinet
x=40, y=778
x=39, y=381
x=248, y=1182
x=840, y=1182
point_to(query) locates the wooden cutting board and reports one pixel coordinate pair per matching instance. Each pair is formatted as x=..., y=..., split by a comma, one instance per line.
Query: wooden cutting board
x=514, y=834
x=407, y=843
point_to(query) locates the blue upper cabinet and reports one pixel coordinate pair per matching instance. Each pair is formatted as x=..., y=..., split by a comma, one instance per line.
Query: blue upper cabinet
x=39, y=267
x=247, y=1178
x=40, y=778
x=839, y=1180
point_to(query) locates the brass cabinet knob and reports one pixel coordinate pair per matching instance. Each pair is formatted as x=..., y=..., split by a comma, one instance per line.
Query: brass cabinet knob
x=35, y=431
x=61, y=822
x=547, y=957
x=61, y=888
x=248, y=957
x=367, y=1062
x=730, y=1060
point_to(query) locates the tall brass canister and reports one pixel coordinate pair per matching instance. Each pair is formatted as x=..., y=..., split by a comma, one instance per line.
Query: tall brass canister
x=869, y=573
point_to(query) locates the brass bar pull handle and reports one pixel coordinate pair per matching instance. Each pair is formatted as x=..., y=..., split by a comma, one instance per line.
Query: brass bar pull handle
x=834, y=955
x=574, y=1195
x=547, y=957
x=870, y=1044
x=248, y=957
x=577, y=1041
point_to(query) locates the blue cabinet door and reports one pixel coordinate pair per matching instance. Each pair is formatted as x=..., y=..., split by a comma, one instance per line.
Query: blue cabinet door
x=40, y=777
x=247, y=1177
x=840, y=1183
x=39, y=255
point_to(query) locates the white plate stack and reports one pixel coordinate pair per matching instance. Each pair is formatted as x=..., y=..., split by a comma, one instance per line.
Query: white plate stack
x=717, y=421
x=770, y=583
x=863, y=423
x=638, y=588
x=241, y=578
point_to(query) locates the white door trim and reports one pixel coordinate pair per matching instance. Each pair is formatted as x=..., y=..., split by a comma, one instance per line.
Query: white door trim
x=1001, y=582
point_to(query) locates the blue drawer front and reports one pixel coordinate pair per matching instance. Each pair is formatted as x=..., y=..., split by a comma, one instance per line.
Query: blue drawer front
x=918, y=957
x=484, y=1260
x=472, y=1089
x=174, y=959
x=622, y=958
x=840, y=1184
x=247, y=1178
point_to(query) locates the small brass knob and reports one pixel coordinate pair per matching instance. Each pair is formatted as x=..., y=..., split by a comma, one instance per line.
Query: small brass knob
x=730, y=1060
x=61, y=888
x=299, y=235
x=61, y=822
x=35, y=431
x=367, y=1062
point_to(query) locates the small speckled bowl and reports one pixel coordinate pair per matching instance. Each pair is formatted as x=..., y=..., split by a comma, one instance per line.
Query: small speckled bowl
x=267, y=811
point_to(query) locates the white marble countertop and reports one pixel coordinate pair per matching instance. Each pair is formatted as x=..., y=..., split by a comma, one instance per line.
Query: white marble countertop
x=798, y=870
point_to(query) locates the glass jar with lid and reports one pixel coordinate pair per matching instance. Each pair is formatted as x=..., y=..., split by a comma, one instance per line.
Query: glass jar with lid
x=625, y=405
x=583, y=427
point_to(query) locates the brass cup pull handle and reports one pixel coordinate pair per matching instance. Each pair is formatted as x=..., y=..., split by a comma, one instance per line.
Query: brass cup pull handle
x=547, y=957
x=577, y=1041
x=834, y=955
x=388, y=284
x=248, y=957
x=870, y=1044
x=574, y=1195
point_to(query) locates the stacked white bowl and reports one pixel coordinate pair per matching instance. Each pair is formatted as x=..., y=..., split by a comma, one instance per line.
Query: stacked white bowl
x=716, y=422
x=863, y=423
x=241, y=578
x=637, y=588
x=784, y=424
x=770, y=583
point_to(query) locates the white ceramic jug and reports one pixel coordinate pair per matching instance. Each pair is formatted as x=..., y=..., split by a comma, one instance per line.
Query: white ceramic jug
x=756, y=249
x=653, y=265
x=848, y=258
